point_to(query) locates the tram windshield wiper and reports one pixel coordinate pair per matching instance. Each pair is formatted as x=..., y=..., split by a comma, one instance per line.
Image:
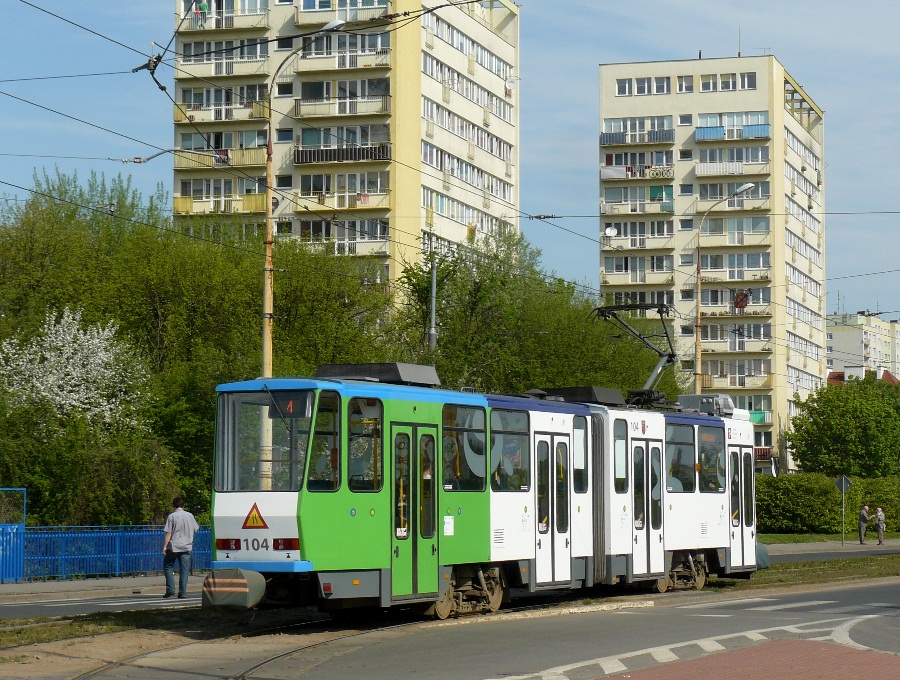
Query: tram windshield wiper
x=277, y=407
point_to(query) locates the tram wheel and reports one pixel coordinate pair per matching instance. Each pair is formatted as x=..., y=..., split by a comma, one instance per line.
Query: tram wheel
x=495, y=594
x=663, y=584
x=442, y=608
x=700, y=578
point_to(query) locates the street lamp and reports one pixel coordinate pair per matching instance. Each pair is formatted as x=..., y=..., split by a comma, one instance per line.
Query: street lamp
x=697, y=342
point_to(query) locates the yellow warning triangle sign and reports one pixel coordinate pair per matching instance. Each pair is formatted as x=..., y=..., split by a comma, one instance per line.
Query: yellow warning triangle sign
x=254, y=519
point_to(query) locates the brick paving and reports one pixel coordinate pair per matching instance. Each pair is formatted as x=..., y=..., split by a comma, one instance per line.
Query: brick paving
x=777, y=660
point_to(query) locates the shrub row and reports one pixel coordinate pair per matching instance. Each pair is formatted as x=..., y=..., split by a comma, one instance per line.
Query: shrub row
x=811, y=503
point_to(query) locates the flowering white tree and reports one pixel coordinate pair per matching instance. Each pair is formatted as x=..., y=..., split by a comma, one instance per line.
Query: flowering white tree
x=75, y=369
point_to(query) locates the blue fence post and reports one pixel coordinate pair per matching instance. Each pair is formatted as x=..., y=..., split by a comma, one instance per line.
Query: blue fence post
x=118, y=553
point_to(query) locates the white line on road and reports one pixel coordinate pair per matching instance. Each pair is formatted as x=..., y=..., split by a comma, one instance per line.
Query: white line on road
x=790, y=605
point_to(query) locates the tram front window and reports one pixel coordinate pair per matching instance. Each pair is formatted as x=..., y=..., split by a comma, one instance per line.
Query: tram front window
x=261, y=440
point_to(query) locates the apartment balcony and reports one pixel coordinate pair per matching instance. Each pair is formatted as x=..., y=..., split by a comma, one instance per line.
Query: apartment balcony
x=346, y=154
x=736, y=203
x=730, y=310
x=738, y=345
x=641, y=207
x=721, y=133
x=200, y=113
x=256, y=66
x=221, y=20
x=649, y=137
x=762, y=452
x=614, y=172
x=357, y=106
x=342, y=60
x=209, y=205
x=730, y=169
x=730, y=382
x=346, y=201
x=220, y=158
x=323, y=16
x=761, y=417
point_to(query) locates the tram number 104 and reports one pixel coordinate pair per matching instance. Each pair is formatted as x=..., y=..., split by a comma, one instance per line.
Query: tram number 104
x=256, y=544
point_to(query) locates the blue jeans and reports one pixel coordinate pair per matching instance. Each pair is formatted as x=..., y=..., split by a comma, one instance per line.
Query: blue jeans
x=183, y=560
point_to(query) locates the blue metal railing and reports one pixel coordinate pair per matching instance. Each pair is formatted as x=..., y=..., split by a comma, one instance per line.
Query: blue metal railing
x=67, y=552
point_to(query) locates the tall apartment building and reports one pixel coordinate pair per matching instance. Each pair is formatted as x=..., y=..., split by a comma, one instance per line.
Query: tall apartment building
x=743, y=267
x=393, y=127
x=862, y=341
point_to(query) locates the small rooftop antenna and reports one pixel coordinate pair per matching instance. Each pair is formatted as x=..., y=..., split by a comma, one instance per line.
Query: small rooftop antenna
x=739, y=40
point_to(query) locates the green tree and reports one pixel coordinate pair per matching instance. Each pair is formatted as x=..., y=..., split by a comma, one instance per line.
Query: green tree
x=851, y=429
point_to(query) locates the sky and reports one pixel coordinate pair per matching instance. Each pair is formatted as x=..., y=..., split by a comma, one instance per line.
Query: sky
x=844, y=57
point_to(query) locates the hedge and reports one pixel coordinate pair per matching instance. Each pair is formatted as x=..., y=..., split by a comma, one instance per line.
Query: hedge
x=811, y=503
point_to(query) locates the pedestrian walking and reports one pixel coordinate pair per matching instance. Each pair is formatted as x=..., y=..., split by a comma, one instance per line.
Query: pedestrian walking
x=177, y=545
x=879, y=525
x=863, y=522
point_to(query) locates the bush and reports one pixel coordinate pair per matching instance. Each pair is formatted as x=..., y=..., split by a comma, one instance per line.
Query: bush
x=811, y=503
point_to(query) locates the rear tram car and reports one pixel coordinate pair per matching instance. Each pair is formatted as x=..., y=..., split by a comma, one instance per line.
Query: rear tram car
x=370, y=486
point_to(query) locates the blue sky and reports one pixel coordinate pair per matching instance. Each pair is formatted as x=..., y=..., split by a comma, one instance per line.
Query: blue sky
x=844, y=57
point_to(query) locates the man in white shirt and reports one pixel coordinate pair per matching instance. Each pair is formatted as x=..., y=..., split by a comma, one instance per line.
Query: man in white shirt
x=177, y=545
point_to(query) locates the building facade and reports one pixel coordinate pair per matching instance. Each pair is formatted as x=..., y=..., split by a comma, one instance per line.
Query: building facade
x=862, y=341
x=394, y=128
x=711, y=201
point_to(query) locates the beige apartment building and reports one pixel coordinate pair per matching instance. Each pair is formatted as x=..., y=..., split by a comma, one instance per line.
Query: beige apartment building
x=862, y=341
x=712, y=200
x=394, y=128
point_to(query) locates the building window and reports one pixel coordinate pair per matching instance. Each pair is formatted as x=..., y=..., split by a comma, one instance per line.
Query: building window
x=686, y=294
x=642, y=85
x=284, y=44
x=829, y=336
x=284, y=135
x=686, y=225
x=284, y=89
x=829, y=362
x=662, y=85
x=623, y=87
x=687, y=330
x=708, y=83
x=685, y=189
x=686, y=259
x=685, y=154
x=283, y=181
x=685, y=84
x=685, y=119
x=283, y=227
x=748, y=80
x=728, y=81
x=829, y=348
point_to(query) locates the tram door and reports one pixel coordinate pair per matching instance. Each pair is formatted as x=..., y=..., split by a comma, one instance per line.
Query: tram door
x=741, y=506
x=414, y=554
x=649, y=551
x=553, y=541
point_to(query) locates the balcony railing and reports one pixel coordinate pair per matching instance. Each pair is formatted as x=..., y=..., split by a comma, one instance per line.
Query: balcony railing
x=317, y=154
x=727, y=381
x=254, y=66
x=648, y=207
x=637, y=172
x=648, y=137
x=220, y=158
x=204, y=205
x=719, y=133
x=342, y=60
x=203, y=113
x=323, y=16
x=735, y=203
x=342, y=201
x=220, y=20
x=732, y=168
x=761, y=417
x=380, y=104
x=762, y=452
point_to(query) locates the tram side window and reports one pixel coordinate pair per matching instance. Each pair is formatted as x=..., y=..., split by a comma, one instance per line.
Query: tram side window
x=463, y=448
x=735, y=490
x=680, y=459
x=562, y=487
x=620, y=456
x=510, y=459
x=749, y=481
x=579, y=456
x=365, y=455
x=712, y=459
x=325, y=457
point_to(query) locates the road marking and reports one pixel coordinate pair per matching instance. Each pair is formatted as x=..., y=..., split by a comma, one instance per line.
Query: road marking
x=710, y=645
x=790, y=605
x=613, y=666
x=724, y=603
x=713, y=616
x=663, y=655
